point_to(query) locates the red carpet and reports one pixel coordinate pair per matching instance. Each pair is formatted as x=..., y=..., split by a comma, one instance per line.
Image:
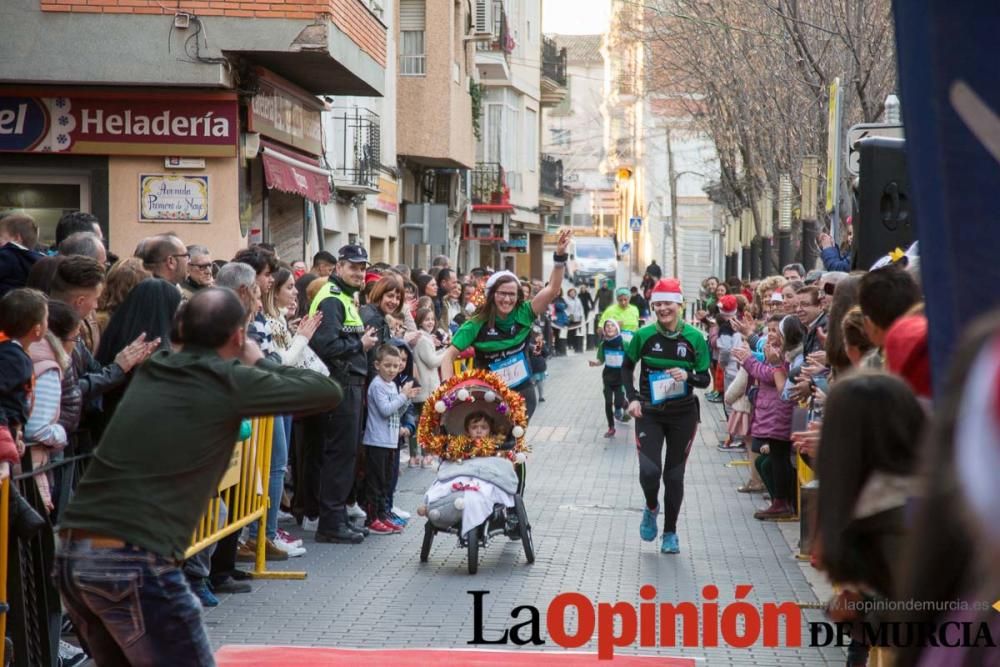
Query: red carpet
x=302, y=656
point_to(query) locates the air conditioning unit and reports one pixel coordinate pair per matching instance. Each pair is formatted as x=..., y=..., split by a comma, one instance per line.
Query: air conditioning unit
x=482, y=13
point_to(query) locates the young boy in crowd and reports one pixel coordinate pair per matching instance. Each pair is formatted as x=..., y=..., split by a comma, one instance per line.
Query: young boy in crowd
x=611, y=353
x=23, y=321
x=386, y=405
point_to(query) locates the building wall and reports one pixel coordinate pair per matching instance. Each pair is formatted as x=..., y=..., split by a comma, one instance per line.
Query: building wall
x=221, y=234
x=435, y=109
x=351, y=16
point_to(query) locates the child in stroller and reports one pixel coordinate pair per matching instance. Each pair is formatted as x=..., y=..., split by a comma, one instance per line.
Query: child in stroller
x=476, y=425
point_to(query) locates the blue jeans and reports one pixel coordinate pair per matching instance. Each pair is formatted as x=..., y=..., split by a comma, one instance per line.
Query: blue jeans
x=276, y=479
x=131, y=606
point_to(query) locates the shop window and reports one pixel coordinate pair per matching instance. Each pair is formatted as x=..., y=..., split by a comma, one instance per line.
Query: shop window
x=46, y=199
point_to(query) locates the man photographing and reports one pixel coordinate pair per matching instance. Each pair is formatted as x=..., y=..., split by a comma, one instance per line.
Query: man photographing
x=125, y=531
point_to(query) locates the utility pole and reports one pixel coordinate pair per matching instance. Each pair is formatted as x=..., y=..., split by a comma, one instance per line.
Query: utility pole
x=673, y=204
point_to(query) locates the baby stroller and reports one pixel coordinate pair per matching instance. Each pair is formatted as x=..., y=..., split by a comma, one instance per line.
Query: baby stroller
x=475, y=495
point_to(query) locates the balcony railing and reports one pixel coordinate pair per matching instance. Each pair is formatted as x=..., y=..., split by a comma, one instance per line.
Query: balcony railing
x=357, y=149
x=489, y=185
x=551, y=176
x=553, y=61
x=501, y=40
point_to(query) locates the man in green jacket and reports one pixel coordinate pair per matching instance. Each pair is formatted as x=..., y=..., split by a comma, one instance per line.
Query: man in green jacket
x=161, y=459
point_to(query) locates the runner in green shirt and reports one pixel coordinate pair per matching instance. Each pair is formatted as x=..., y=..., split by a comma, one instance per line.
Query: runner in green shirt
x=498, y=332
x=673, y=360
x=622, y=312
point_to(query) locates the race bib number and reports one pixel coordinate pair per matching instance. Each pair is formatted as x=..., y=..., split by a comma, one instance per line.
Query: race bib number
x=663, y=387
x=614, y=358
x=627, y=337
x=513, y=370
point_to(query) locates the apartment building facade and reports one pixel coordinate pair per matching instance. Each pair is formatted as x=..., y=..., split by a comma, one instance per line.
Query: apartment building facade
x=506, y=227
x=202, y=117
x=573, y=133
x=435, y=111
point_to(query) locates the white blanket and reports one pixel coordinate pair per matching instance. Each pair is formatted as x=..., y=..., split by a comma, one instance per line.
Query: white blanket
x=479, y=498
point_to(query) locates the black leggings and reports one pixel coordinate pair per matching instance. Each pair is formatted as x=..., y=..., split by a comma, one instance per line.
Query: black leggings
x=614, y=398
x=777, y=465
x=677, y=431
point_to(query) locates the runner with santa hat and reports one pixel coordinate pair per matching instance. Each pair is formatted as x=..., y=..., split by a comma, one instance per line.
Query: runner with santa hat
x=673, y=359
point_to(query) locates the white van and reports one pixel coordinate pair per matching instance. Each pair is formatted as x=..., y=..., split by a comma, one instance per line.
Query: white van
x=591, y=256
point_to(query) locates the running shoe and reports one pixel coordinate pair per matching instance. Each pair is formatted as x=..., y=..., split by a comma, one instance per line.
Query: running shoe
x=288, y=538
x=647, y=529
x=402, y=514
x=670, y=544
x=204, y=594
x=355, y=512
x=610, y=433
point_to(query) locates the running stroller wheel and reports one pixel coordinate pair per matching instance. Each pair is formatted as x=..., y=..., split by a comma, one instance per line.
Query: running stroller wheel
x=425, y=548
x=473, y=539
x=522, y=520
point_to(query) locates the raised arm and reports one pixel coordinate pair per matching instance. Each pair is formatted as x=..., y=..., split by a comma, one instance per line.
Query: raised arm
x=448, y=362
x=549, y=293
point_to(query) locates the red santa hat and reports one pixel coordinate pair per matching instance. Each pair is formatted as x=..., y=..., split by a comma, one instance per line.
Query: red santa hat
x=667, y=289
x=728, y=305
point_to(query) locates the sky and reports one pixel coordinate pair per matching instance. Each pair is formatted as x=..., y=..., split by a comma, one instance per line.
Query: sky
x=575, y=17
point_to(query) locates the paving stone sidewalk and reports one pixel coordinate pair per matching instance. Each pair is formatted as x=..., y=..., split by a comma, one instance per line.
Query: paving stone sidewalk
x=584, y=501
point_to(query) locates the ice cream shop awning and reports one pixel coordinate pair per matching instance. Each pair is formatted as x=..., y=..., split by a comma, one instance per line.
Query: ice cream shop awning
x=295, y=173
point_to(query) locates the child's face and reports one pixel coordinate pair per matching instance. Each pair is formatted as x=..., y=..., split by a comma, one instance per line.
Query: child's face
x=427, y=324
x=610, y=330
x=479, y=428
x=38, y=332
x=389, y=368
x=70, y=341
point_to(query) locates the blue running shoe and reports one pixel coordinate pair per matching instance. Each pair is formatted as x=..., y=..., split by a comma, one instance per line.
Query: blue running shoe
x=397, y=520
x=670, y=544
x=647, y=529
x=200, y=588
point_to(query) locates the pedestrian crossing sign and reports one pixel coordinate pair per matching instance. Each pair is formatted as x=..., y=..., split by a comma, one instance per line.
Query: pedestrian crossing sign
x=635, y=224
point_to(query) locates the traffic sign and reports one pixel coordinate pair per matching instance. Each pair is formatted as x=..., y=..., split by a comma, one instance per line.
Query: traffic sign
x=863, y=131
x=623, y=250
x=635, y=224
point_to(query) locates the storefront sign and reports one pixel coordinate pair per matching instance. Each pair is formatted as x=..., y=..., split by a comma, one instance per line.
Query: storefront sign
x=173, y=198
x=518, y=243
x=386, y=201
x=111, y=123
x=283, y=112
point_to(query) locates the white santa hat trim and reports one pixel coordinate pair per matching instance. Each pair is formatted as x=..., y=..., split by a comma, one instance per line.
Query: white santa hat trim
x=670, y=297
x=777, y=297
x=977, y=441
x=492, y=280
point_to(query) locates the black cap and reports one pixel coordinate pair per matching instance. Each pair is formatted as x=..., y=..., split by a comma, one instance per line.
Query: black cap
x=353, y=253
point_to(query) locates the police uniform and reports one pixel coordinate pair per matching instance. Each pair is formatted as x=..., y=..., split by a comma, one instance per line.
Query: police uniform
x=337, y=342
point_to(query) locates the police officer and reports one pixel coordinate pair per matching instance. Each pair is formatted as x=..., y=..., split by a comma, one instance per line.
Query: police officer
x=342, y=342
x=673, y=359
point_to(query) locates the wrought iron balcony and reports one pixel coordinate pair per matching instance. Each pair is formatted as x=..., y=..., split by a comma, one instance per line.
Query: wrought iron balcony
x=357, y=150
x=553, y=61
x=489, y=186
x=551, y=176
x=501, y=39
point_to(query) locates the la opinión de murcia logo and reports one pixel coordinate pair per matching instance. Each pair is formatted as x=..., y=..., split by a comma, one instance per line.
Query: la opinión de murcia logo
x=737, y=624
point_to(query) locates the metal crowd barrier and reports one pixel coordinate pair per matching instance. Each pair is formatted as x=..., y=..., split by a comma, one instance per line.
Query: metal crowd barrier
x=244, y=491
x=462, y=364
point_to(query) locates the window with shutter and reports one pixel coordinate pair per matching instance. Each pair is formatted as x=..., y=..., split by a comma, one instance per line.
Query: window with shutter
x=412, y=24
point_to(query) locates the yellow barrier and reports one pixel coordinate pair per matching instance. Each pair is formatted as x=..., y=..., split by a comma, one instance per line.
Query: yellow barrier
x=462, y=365
x=244, y=491
x=4, y=543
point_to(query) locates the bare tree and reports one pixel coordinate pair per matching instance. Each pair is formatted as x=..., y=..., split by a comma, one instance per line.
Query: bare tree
x=755, y=74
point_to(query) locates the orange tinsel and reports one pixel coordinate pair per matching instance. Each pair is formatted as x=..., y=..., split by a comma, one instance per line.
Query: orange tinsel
x=434, y=441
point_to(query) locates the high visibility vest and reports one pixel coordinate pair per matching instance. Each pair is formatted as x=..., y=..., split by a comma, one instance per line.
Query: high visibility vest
x=352, y=318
